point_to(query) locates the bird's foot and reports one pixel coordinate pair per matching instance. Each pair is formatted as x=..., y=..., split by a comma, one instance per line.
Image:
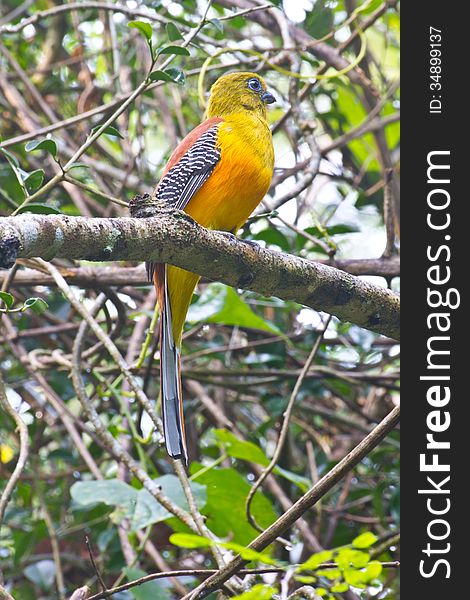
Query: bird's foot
x=142, y=206
x=251, y=243
x=228, y=234
x=232, y=237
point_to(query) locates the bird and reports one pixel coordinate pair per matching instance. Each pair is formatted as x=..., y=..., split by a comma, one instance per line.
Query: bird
x=218, y=174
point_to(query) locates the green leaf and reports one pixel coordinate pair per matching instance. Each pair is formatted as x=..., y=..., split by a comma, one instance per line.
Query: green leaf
x=246, y=450
x=302, y=482
x=146, y=510
x=112, y=492
x=330, y=574
x=12, y=178
x=110, y=130
x=144, y=28
x=160, y=76
x=315, y=560
x=354, y=113
x=364, y=540
x=240, y=448
x=24, y=542
x=41, y=573
x=369, y=7
x=248, y=553
x=79, y=165
x=177, y=75
x=373, y=570
x=171, y=75
x=7, y=299
x=190, y=540
x=39, y=209
x=273, y=236
x=10, y=157
x=260, y=591
x=340, y=587
x=34, y=180
x=331, y=230
x=306, y=578
x=48, y=145
x=225, y=509
x=355, y=578
x=173, y=32
x=222, y=304
x=319, y=20
x=138, y=505
x=395, y=505
x=359, y=559
x=179, y=50
x=38, y=305
x=348, y=556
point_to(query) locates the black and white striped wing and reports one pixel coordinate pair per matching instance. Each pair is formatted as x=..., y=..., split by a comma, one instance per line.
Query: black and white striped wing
x=183, y=180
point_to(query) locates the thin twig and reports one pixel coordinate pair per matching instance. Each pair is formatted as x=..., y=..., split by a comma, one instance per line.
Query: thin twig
x=95, y=567
x=207, y=572
x=59, y=574
x=104, y=338
x=93, y=137
x=43, y=14
x=390, y=216
x=194, y=510
x=285, y=425
x=24, y=450
x=4, y=595
x=306, y=502
x=88, y=188
x=107, y=439
x=103, y=108
x=246, y=11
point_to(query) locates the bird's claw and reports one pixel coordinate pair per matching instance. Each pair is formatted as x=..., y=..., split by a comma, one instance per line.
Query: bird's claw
x=232, y=237
x=228, y=234
x=252, y=243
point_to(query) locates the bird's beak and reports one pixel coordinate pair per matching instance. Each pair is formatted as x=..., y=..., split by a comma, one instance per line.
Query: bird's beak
x=267, y=97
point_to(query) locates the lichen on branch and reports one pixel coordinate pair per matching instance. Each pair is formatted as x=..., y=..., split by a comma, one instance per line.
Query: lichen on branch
x=174, y=238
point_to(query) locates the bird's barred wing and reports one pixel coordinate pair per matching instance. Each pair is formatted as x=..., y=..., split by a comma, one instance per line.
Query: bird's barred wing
x=189, y=167
x=179, y=184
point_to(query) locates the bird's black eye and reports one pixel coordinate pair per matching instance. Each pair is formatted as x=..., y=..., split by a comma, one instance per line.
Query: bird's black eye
x=255, y=84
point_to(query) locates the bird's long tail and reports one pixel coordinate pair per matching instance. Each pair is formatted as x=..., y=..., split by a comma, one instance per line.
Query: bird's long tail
x=170, y=372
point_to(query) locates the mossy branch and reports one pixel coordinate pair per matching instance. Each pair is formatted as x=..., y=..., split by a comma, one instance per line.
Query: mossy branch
x=174, y=238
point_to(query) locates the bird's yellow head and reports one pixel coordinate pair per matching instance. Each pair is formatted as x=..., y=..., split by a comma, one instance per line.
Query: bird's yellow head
x=239, y=92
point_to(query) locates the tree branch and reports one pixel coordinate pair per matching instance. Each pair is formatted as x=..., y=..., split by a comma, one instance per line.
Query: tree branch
x=302, y=505
x=99, y=276
x=206, y=572
x=174, y=238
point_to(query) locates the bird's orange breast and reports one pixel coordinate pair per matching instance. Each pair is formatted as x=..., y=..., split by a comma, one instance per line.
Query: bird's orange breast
x=228, y=196
x=240, y=179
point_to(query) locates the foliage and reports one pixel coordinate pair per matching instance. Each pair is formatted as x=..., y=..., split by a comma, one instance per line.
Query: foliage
x=242, y=353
